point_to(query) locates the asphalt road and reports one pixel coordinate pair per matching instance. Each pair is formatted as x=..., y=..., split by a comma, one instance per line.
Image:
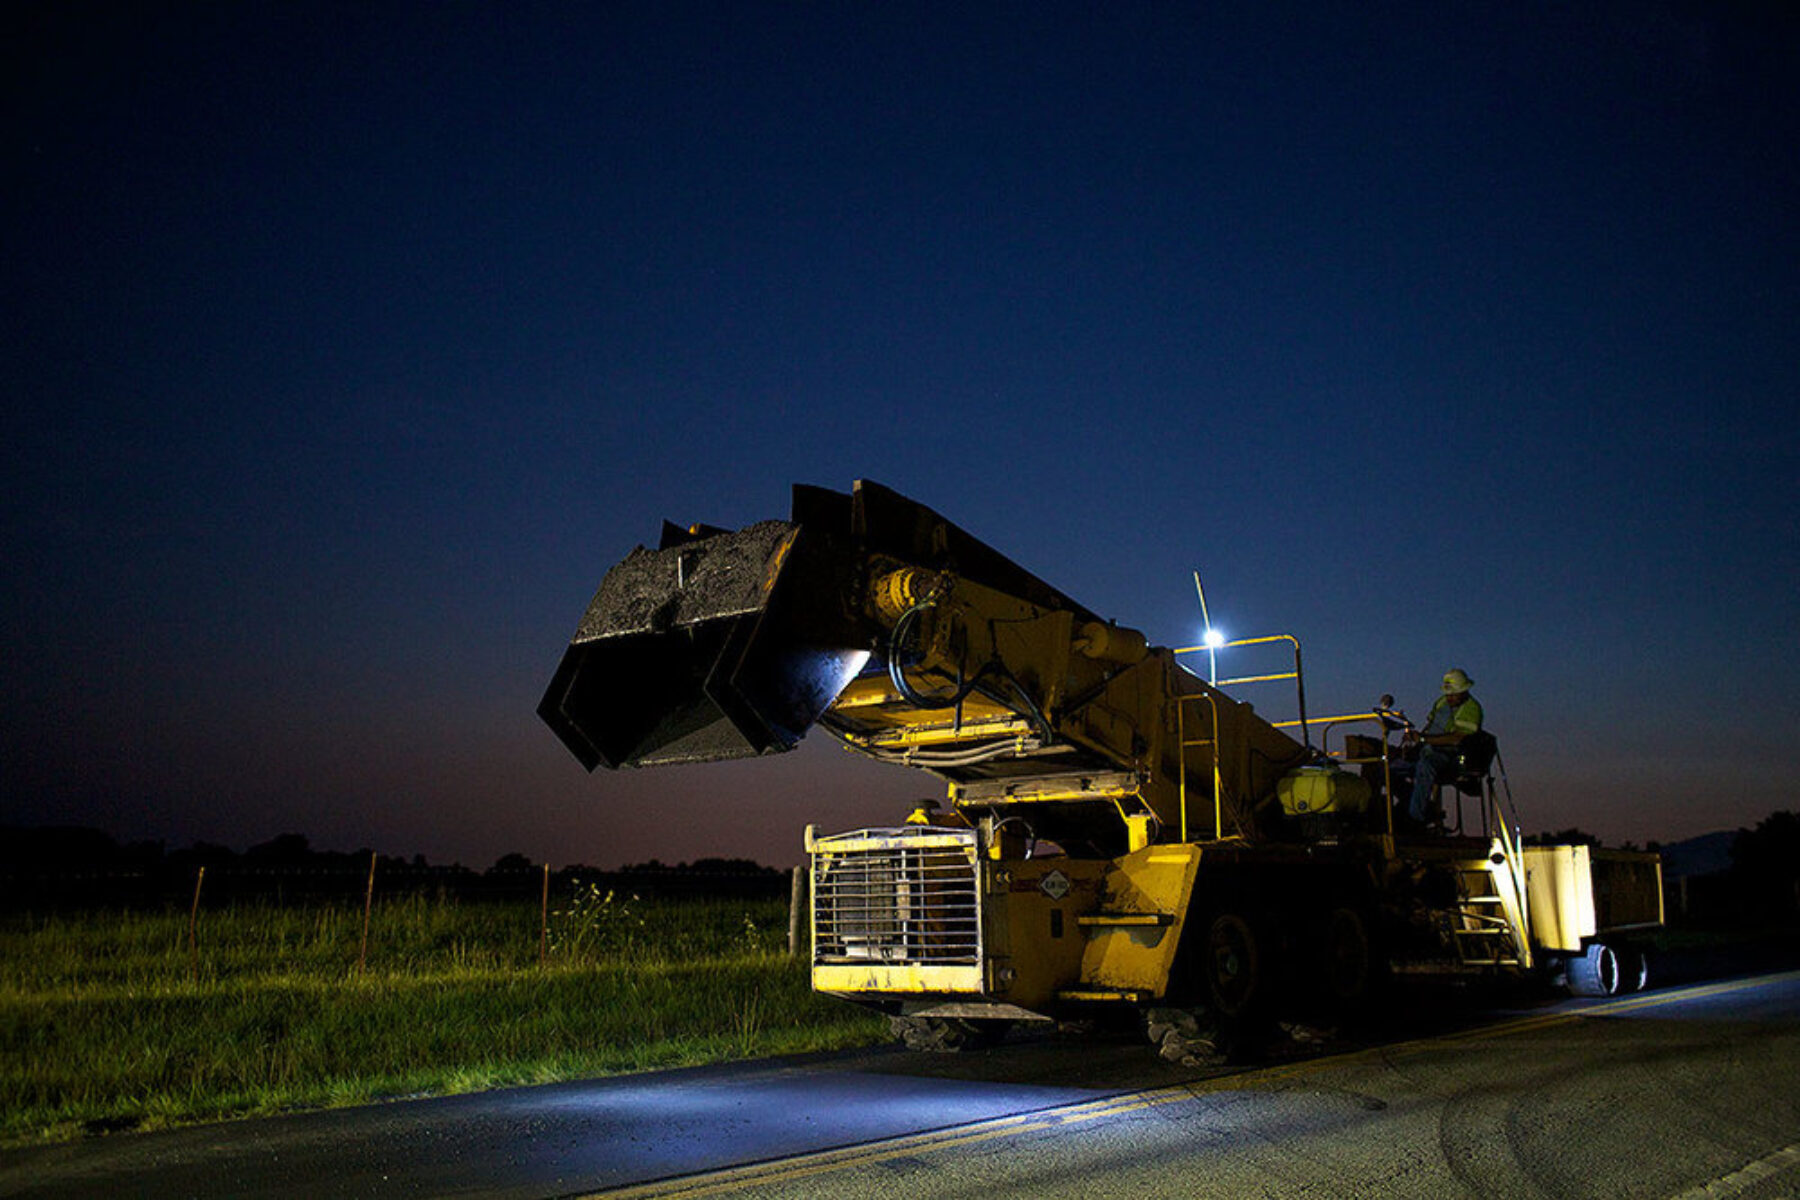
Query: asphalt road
x=1664, y=1094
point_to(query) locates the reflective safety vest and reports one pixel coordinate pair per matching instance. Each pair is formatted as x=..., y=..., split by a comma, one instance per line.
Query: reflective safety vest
x=1464, y=718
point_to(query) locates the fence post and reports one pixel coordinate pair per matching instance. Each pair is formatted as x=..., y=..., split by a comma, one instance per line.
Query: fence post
x=194, y=929
x=544, y=921
x=362, y=957
x=798, y=926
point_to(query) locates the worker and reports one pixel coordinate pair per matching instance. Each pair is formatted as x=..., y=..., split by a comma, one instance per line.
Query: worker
x=1454, y=716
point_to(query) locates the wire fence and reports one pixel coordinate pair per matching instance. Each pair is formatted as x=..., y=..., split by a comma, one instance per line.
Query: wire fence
x=74, y=888
x=230, y=919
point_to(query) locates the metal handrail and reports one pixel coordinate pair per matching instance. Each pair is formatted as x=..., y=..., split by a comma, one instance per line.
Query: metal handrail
x=1512, y=845
x=1297, y=674
x=1181, y=747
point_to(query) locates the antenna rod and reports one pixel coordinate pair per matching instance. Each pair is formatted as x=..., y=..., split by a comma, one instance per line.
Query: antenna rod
x=1212, y=651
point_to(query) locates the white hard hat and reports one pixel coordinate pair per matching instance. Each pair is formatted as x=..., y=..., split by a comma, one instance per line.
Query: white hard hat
x=1456, y=681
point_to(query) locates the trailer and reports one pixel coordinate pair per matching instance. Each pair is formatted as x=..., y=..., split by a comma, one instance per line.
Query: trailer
x=1119, y=830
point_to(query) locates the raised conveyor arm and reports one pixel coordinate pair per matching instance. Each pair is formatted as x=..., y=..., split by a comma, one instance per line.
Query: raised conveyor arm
x=912, y=641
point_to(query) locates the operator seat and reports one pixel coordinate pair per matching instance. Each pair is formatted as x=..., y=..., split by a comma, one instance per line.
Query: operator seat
x=1474, y=773
x=1477, y=751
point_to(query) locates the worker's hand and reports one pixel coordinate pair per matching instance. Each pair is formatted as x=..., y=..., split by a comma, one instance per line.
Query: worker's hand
x=1410, y=738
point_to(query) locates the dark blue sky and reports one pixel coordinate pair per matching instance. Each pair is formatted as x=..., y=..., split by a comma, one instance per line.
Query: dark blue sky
x=347, y=347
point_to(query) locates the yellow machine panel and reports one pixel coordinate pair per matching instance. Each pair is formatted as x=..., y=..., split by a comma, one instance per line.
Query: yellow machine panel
x=1559, y=884
x=1131, y=942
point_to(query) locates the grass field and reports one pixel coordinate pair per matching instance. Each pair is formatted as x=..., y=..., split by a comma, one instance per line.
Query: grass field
x=111, y=1021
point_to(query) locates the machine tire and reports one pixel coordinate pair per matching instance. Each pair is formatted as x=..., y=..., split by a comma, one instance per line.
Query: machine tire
x=1348, y=964
x=1596, y=973
x=1233, y=967
x=948, y=1035
x=1239, y=970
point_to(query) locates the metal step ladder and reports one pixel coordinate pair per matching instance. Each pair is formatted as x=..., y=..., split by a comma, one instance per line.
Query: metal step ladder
x=1483, y=932
x=1490, y=928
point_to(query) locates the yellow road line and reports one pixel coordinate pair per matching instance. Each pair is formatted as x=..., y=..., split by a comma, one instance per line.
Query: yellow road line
x=824, y=1161
x=1747, y=1176
x=1697, y=992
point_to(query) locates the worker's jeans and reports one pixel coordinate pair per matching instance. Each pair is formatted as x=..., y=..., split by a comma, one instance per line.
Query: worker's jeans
x=1432, y=763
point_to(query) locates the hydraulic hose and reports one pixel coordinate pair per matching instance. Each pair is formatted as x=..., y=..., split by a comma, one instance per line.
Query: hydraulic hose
x=952, y=758
x=897, y=676
x=897, y=672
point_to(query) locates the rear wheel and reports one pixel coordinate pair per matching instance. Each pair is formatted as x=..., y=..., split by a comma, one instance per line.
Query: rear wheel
x=1595, y=973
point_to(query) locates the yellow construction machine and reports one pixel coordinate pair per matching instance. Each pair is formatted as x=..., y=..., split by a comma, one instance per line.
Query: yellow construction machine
x=1118, y=831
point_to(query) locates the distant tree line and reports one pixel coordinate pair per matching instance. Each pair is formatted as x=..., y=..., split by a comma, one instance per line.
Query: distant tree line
x=66, y=866
x=1569, y=837
x=63, y=866
x=1765, y=865
x=700, y=866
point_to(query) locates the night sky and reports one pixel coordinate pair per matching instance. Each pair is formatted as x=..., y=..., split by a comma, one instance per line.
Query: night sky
x=346, y=347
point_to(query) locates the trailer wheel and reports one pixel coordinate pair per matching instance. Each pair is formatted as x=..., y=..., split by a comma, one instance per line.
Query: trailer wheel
x=1233, y=964
x=1595, y=973
x=1634, y=969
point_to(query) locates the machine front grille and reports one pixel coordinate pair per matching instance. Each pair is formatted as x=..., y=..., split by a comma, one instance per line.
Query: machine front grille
x=897, y=896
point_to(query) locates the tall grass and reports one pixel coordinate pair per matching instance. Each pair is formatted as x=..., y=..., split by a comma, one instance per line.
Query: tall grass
x=105, y=1025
